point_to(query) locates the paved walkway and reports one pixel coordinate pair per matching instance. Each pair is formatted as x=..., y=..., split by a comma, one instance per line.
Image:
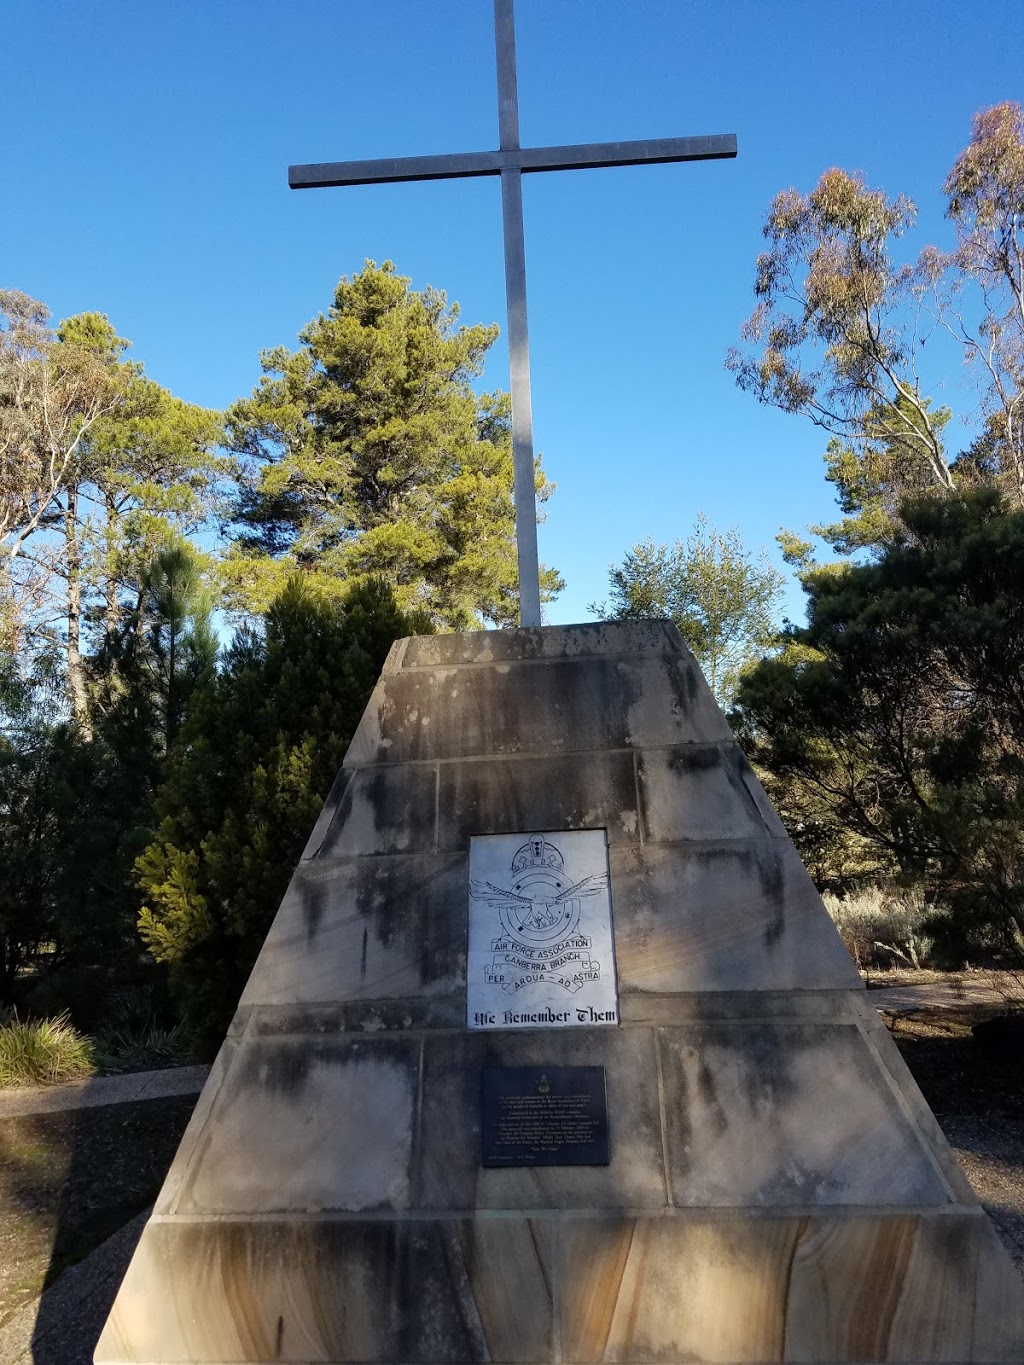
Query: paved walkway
x=99, y=1090
x=938, y=995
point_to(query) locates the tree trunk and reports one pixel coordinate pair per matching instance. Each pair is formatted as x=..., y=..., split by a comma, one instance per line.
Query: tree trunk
x=113, y=608
x=76, y=671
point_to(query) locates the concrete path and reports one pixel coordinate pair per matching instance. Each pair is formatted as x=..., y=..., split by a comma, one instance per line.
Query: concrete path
x=100, y=1090
x=938, y=995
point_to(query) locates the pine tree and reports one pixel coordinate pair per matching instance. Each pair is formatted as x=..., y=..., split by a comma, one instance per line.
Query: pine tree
x=369, y=453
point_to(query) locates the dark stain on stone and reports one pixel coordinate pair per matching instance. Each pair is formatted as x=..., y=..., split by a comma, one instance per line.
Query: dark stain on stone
x=530, y=643
x=694, y=758
x=384, y=713
x=416, y=906
x=736, y=769
x=443, y=901
x=401, y=811
x=401, y=721
x=426, y=1317
x=459, y=1250
x=546, y=793
x=339, y=800
x=773, y=889
x=399, y=1015
x=408, y=1301
x=283, y=1069
x=380, y=900
x=708, y=857
x=685, y=683
x=762, y=1067
x=709, y=1096
x=376, y=792
x=314, y=891
x=554, y=704
x=767, y=1054
x=678, y=1112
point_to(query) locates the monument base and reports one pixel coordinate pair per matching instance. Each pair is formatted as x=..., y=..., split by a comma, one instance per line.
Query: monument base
x=773, y=1186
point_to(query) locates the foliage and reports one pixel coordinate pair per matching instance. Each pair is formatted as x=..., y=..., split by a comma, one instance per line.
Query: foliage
x=367, y=453
x=842, y=328
x=52, y=393
x=72, y=820
x=723, y=600
x=882, y=925
x=43, y=1052
x=257, y=755
x=985, y=193
x=891, y=728
x=103, y=469
x=147, y=671
x=76, y=809
x=133, y=1037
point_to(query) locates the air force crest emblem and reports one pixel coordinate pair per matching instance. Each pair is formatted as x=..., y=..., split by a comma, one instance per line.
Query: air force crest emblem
x=533, y=921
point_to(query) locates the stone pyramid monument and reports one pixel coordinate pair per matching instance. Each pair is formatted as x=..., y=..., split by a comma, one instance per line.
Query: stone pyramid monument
x=553, y=1055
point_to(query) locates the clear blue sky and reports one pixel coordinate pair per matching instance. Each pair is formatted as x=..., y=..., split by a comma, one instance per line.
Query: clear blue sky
x=143, y=171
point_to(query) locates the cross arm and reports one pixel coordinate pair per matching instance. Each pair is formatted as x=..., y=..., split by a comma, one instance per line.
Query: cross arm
x=585, y=156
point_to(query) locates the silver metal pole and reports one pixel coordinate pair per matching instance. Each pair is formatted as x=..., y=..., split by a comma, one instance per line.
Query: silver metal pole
x=518, y=339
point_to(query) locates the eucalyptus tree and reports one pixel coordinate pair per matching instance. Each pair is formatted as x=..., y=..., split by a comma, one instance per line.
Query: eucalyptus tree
x=723, y=599
x=853, y=333
x=102, y=468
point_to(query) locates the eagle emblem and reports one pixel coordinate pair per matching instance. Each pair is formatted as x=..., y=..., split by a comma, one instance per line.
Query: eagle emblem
x=539, y=912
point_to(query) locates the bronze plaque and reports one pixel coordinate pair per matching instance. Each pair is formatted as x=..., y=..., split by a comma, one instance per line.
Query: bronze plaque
x=544, y=1116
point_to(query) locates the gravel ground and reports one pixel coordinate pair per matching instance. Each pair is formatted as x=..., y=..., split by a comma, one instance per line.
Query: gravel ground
x=62, y=1327
x=991, y=1153
x=69, y=1180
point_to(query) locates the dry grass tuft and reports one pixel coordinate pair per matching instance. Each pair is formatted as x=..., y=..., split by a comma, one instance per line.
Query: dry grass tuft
x=43, y=1052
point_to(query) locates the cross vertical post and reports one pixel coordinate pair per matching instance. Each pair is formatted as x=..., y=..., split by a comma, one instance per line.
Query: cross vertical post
x=511, y=162
x=518, y=337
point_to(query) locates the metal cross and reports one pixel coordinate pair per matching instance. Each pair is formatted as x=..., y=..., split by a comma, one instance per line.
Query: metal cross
x=511, y=162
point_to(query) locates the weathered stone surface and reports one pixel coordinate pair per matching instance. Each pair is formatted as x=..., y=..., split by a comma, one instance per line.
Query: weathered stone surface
x=383, y=810
x=592, y=639
x=450, y=1175
x=735, y=915
x=746, y=1126
x=309, y=1126
x=356, y=1016
x=303, y=1291
x=574, y=791
x=698, y=793
x=899, y=1288
x=360, y=928
x=568, y=706
x=915, y=1288
x=777, y=1188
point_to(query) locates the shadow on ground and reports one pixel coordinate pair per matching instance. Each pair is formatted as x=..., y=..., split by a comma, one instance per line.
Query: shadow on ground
x=69, y=1181
x=957, y=1076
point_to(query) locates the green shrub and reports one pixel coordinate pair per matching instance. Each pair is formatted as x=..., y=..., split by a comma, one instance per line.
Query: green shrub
x=882, y=927
x=43, y=1052
x=135, y=1036
x=262, y=744
x=139, y=1049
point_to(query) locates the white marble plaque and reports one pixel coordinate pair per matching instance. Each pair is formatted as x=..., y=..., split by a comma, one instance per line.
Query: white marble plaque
x=540, y=931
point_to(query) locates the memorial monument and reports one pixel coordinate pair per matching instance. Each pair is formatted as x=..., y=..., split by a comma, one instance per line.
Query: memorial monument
x=553, y=1053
